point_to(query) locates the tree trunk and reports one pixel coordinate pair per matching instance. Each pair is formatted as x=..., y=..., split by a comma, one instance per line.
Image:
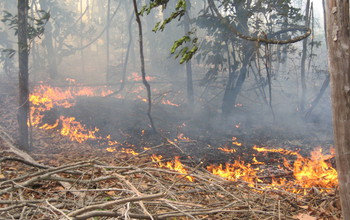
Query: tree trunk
x=303, y=61
x=108, y=20
x=190, y=93
x=48, y=42
x=82, y=38
x=233, y=88
x=143, y=71
x=338, y=39
x=23, y=110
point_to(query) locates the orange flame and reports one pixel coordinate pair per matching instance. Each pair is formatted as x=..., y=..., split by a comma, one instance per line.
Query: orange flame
x=182, y=137
x=236, y=171
x=313, y=172
x=308, y=173
x=75, y=130
x=235, y=142
x=129, y=151
x=227, y=150
x=172, y=165
x=168, y=102
x=255, y=161
x=136, y=77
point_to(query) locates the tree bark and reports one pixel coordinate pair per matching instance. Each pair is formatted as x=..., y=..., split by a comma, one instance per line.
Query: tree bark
x=338, y=39
x=23, y=110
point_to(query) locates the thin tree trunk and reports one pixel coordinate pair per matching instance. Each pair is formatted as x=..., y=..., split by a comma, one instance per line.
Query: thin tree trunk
x=143, y=71
x=23, y=110
x=48, y=42
x=190, y=93
x=108, y=71
x=303, y=61
x=81, y=39
x=338, y=39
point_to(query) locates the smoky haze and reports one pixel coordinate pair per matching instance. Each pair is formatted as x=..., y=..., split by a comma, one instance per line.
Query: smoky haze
x=246, y=89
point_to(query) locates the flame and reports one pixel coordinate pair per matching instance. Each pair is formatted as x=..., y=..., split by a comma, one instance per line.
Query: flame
x=255, y=161
x=75, y=130
x=308, y=173
x=279, y=150
x=227, y=150
x=142, y=99
x=111, y=149
x=129, y=151
x=315, y=171
x=182, y=137
x=235, y=142
x=137, y=78
x=172, y=165
x=168, y=102
x=236, y=171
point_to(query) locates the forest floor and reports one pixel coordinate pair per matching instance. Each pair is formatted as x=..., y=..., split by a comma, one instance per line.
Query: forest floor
x=63, y=179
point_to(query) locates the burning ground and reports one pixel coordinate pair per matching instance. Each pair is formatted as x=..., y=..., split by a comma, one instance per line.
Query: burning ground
x=101, y=143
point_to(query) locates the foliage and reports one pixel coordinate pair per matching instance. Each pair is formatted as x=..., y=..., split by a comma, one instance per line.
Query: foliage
x=186, y=46
x=260, y=19
x=185, y=52
x=35, y=30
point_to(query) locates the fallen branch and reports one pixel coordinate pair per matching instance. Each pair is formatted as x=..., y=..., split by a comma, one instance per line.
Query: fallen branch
x=114, y=203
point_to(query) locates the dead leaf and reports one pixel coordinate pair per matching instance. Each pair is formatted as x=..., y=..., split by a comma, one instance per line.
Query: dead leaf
x=304, y=206
x=302, y=216
x=111, y=193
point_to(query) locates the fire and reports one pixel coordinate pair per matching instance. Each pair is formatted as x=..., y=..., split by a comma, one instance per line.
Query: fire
x=168, y=102
x=75, y=130
x=172, y=165
x=129, y=151
x=280, y=150
x=236, y=171
x=255, y=161
x=307, y=173
x=44, y=98
x=182, y=137
x=227, y=150
x=137, y=78
x=315, y=171
x=235, y=142
x=111, y=149
x=142, y=99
